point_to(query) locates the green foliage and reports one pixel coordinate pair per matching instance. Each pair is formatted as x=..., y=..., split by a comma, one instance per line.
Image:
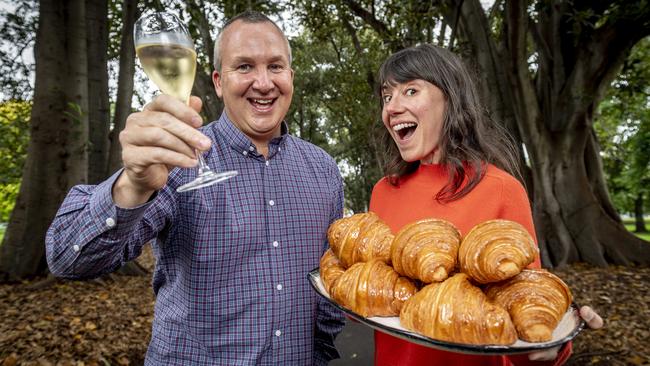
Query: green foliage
x=8, y=194
x=333, y=105
x=14, y=136
x=18, y=23
x=623, y=129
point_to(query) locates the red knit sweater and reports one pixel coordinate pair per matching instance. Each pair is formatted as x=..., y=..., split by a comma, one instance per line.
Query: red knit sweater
x=497, y=196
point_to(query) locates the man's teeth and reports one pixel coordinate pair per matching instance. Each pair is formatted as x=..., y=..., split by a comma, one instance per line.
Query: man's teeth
x=263, y=101
x=401, y=126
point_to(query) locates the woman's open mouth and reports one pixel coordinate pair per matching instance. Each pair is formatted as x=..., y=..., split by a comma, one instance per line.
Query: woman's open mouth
x=404, y=130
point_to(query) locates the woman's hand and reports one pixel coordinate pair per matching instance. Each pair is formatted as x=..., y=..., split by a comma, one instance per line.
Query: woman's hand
x=593, y=320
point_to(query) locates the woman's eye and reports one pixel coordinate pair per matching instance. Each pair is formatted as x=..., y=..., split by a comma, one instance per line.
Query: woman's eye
x=386, y=98
x=410, y=91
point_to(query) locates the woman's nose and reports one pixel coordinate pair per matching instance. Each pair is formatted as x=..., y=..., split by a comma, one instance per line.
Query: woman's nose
x=394, y=105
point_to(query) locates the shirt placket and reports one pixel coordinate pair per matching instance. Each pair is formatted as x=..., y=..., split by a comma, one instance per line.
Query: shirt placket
x=274, y=215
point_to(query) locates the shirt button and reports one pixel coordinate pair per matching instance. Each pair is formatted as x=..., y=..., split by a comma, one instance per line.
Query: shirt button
x=267, y=163
x=250, y=148
x=75, y=248
x=110, y=222
x=278, y=333
x=279, y=148
x=271, y=202
x=279, y=287
x=245, y=152
x=275, y=244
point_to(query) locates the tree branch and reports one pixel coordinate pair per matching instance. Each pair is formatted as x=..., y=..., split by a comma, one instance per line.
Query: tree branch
x=382, y=29
x=599, y=58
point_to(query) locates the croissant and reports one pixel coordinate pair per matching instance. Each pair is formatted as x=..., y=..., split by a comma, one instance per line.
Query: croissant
x=457, y=311
x=359, y=238
x=330, y=269
x=495, y=250
x=536, y=300
x=372, y=288
x=426, y=250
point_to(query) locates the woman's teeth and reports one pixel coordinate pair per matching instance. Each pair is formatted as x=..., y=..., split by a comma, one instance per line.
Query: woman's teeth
x=401, y=126
x=405, y=129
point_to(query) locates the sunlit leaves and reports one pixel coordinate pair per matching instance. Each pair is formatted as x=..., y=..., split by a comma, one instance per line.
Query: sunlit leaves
x=623, y=127
x=14, y=136
x=17, y=36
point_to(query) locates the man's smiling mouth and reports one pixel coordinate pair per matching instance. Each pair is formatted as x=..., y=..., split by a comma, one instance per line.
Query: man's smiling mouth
x=262, y=104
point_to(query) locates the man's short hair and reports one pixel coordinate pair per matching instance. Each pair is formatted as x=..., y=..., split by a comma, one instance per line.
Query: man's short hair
x=248, y=16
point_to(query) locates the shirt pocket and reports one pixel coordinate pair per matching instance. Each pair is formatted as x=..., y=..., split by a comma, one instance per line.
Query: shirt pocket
x=210, y=222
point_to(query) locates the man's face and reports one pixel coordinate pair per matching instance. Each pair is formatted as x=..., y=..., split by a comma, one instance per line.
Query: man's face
x=256, y=80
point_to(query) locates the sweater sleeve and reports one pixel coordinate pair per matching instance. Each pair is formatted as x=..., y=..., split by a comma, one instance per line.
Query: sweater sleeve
x=516, y=207
x=562, y=357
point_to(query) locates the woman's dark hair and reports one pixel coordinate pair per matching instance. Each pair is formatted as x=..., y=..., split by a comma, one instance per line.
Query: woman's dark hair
x=469, y=138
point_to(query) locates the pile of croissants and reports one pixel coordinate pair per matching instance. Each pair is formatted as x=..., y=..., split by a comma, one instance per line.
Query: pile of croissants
x=474, y=289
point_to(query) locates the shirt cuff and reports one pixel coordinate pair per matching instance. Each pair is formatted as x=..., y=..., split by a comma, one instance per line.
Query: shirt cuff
x=114, y=221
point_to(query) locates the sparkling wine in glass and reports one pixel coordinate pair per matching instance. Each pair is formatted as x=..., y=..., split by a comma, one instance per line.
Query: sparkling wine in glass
x=167, y=55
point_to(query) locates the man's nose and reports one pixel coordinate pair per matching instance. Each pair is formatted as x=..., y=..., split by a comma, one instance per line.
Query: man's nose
x=263, y=82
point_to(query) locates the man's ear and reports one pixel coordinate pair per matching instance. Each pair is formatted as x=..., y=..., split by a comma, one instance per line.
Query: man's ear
x=216, y=80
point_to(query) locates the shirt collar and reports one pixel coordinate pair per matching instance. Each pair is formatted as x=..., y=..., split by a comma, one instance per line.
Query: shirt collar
x=240, y=142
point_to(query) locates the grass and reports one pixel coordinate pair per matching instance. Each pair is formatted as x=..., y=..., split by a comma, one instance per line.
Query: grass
x=630, y=227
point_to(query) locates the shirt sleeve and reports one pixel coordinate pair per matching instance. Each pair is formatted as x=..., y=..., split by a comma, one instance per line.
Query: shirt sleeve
x=90, y=236
x=330, y=320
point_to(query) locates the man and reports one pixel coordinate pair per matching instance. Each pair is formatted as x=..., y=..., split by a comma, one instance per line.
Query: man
x=231, y=259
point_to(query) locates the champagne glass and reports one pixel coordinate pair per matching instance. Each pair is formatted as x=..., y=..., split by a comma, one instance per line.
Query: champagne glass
x=167, y=55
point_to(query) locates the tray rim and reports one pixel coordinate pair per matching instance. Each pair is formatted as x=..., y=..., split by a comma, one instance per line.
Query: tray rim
x=449, y=346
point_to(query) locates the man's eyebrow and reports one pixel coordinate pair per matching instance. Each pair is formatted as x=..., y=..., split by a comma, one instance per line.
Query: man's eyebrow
x=251, y=60
x=238, y=59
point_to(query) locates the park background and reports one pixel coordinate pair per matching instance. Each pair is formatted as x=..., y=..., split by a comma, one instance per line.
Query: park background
x=568, y=79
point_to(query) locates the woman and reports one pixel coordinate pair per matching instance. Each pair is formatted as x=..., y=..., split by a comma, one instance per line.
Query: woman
x=446, y=160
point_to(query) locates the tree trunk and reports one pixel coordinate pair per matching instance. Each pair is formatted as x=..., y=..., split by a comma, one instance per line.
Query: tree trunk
x=639, y=222
x=57, y=152
x=124, y=83
x=98, y=112
x=552, y=111
x=204, y=89
x=203, y=86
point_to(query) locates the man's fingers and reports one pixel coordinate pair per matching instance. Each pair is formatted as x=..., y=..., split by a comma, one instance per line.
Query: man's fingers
x=150, y=119
x=159, y=137
x=593, y=320
x=178, y=109
x=547, y=355
x=196, y=103
x=139, y=158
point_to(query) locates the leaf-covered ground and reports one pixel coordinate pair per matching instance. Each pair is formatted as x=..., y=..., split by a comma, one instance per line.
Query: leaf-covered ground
x=108, y=322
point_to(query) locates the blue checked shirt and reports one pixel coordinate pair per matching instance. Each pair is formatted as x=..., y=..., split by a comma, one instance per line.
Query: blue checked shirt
x=231, y=259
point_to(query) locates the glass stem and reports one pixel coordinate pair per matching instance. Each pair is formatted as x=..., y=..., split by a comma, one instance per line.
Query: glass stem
x=203, y=167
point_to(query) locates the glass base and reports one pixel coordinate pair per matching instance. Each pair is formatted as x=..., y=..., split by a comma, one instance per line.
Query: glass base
x=208, y=178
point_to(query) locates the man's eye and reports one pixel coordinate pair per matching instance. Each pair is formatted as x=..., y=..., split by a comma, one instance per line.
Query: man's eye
x=410, y=91
x=386, y=98
x=276, y=68
x=244, y=68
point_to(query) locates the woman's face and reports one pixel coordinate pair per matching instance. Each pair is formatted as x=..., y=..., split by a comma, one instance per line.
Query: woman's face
x=413, y=113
